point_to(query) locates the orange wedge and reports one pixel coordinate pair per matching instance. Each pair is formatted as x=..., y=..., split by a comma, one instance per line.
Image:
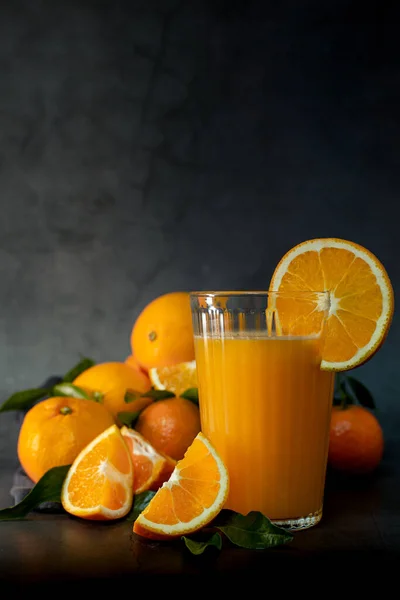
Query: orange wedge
x=99, y=482
x=175, y=378
x=361, y=299
x=194, y=494
x=150, y=468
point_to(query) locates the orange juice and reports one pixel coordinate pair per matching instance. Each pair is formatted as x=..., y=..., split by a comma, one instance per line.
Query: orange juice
x=266, y=405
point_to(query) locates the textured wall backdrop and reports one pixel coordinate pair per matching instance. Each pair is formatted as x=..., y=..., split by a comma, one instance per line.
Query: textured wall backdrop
x=152, y=146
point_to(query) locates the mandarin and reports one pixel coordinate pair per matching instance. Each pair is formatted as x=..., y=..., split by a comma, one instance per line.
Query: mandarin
x=356, y=440
x=113, y=380
x=55, y=430
x=162, y=335
x=170, y=425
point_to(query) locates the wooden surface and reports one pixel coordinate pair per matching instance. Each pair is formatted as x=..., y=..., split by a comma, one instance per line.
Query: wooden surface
x=360, y=526
x=359, y=533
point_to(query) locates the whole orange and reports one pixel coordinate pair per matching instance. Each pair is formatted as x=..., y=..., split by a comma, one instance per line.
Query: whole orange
x=356, y=441
x=162, y=335
x=170, y=425
x=133, y=362
x=113, y=380
x=55, y=430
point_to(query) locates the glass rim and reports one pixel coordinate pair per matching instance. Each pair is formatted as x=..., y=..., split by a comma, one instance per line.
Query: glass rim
x=215, y=293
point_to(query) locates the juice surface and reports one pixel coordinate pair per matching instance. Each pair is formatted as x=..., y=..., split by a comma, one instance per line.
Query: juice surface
x=265, y=405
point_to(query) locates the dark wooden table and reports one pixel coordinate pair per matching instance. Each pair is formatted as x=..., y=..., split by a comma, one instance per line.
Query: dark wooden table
x=360, y=527
x=359, y=533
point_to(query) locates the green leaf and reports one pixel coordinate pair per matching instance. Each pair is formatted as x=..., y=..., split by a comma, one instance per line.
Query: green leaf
x=360, y=392
x=129, y=418
x=70, y=390
x=158, y=394
x=79, y=368
x=341, y=397
x=191, y=394
x=131, y=396
x=47, y=489
x=199, y=546
x=253, y=531
x=338, y=401
x=140, y=501
x=24, y=399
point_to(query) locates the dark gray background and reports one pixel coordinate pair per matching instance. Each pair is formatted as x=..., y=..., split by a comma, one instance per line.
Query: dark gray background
x=152, y=146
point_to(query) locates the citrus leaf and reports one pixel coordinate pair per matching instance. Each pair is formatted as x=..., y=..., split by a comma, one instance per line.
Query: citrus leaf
x=158, y=394
x=70, y=390
x=47, y=489
x=339, y=401
x=199, y=546
x=360, y=392
x=79, y=368
x=253, y=531
x=128, y=418
x=140, y=501
x=131, y=396
x=191, y=394
x=24, y=399
x=342, y=397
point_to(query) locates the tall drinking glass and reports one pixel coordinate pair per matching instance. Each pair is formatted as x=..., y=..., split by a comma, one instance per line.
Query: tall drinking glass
x=264, y=402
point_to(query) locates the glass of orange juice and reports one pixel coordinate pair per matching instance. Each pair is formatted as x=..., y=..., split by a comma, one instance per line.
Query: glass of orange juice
x=264, y=401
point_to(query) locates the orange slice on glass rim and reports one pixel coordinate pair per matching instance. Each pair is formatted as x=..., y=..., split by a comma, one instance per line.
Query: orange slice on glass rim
x=176, y=378
x=192, y=497
x=361, y=300
x=150, y=468
x=99, y=483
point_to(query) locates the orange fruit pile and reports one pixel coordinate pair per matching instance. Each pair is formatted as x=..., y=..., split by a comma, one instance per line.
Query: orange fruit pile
x=166, y=451
x=191, y=498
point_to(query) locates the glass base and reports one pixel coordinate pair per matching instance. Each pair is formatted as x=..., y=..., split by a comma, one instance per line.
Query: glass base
x=299, y=523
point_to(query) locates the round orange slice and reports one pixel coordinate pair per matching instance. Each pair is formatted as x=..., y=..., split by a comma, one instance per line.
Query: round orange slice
x=99, y=483
x=150, y=468
x=176, y=378
x=194, y=494
x=361, y=300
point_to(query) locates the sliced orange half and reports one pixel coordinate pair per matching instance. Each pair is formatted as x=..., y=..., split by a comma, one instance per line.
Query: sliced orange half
x=99, y=482
x=150, y=468
x=175, y=378
x=361, y=300
x=194, y=494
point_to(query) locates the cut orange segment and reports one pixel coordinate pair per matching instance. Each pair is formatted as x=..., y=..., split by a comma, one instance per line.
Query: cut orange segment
x=361, y=300
x=150, y=468
x=99, y=483
x=175, y=378
x=192, y=497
